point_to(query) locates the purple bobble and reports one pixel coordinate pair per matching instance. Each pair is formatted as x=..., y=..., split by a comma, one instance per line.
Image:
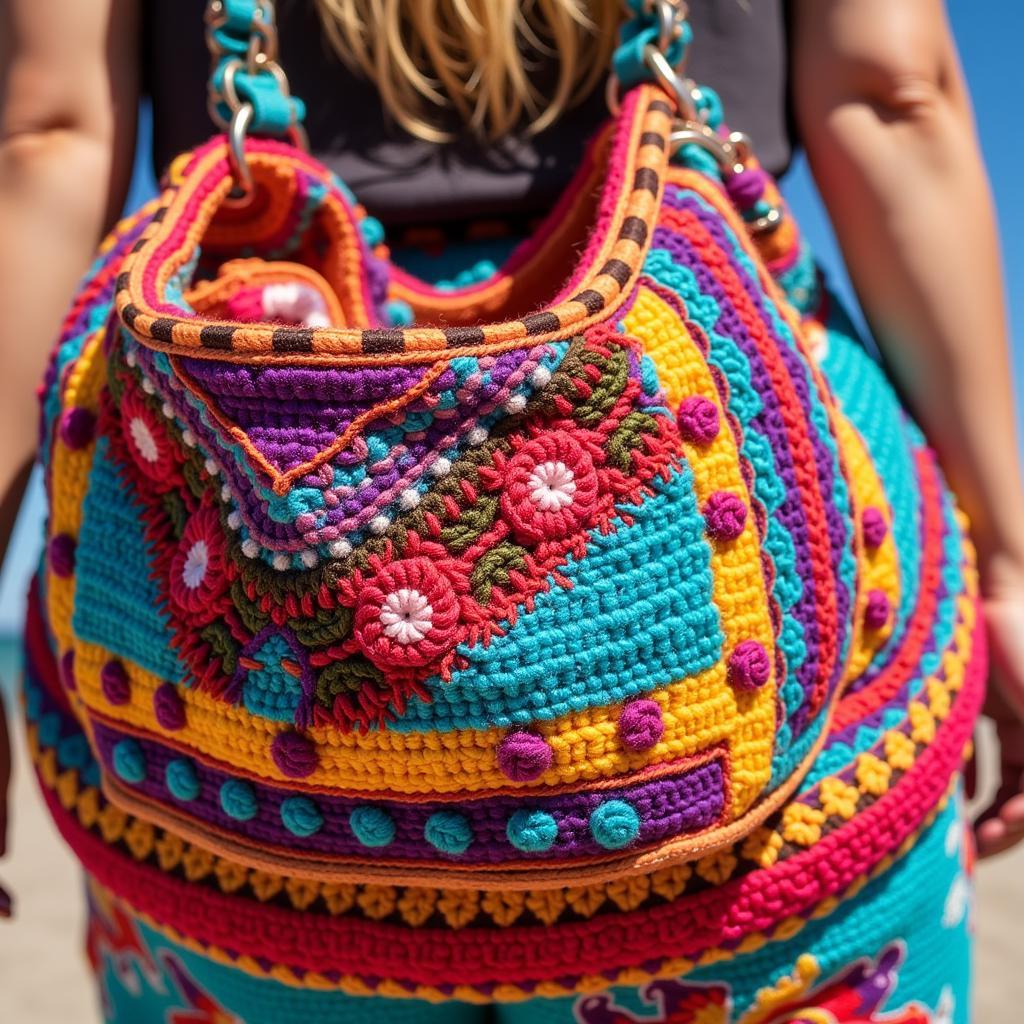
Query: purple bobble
x=876, y=611
x=62, y=555
x=640, y=724
x=117, y=687
x=746, y=187
x=725, y=515
x=168, y=706
x=77, y=427
x=874, y=527
x=699, y=421
x=523, y=756
x=294, y=754
x=749, y=666
x=67, y=670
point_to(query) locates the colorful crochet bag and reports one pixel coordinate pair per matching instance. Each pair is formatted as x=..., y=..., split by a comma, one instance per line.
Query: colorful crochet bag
x=486, y=643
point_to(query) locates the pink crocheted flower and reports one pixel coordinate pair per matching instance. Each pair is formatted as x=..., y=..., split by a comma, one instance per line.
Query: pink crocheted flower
x=550, y=488
x=146, y=439
x=407, y=616
x=197, y=576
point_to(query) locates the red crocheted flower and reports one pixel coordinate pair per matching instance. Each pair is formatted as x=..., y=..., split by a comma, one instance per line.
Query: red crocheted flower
x=147, y=440
x=407, y=616
x=197, y=575
x=550, y=488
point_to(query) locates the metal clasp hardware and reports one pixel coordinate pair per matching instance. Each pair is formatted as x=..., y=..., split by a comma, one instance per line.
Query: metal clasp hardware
x=248, y=89
x=731, y=152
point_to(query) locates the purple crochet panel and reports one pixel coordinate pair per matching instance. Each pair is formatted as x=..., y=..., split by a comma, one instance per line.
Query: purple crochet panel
x=689, y=801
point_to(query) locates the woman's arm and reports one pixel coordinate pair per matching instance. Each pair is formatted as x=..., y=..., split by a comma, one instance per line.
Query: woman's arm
x=69, y=95
x=69, y=99
x=886, y=120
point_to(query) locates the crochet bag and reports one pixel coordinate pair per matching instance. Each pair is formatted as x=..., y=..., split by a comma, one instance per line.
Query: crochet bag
x=487, y=642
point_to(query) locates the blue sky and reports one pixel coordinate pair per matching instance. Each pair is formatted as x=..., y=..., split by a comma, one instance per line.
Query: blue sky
x=989, y=38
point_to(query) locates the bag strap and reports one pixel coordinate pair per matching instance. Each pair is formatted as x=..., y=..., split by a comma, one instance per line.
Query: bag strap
x=654, y=43
x=248, y=92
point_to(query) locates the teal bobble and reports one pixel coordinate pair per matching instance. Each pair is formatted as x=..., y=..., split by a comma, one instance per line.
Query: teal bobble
x=399, y=313
x=238, y=799
x=129, y=761
x=760, y=209
x=698, y=159
x=372, y=826
x=532, y=831
x=73, y=751
x=49, y=729
x=449, y=832
x=372, y=231
x=483, y=270
x=182, y=779
x=301, y=816
x=614, y=824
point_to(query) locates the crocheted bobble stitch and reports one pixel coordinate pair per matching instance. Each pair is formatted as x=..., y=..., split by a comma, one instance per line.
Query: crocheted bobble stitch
x=492, y=831
x=372, y=826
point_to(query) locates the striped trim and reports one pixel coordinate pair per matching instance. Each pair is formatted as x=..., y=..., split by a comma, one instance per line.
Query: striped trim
x=165, y=246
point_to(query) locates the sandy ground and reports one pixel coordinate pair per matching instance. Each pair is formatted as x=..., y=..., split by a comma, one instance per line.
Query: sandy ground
x=44, y=979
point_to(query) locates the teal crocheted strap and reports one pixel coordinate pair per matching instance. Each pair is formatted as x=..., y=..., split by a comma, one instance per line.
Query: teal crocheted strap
x=635, y=36
x=274, y=112
x=232, y=35
x=709, y=106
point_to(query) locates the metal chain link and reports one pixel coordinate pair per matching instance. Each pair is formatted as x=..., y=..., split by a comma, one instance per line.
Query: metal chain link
x=243, y=61
x=731, y=152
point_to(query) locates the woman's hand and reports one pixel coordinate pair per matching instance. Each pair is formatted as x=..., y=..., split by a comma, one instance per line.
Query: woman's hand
x=1001, y=824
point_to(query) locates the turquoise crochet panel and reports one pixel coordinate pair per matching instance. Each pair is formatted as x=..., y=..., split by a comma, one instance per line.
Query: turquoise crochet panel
x=872, y=406
x=117, y=604
x=644, y=587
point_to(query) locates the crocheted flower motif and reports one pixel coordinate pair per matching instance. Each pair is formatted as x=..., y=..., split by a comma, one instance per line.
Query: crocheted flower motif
x=146, y=440
x=407, y=616
x=197, y=576
x=550, y=488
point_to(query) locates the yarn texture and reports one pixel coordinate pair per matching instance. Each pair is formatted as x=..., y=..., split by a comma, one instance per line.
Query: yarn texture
x=475, y=643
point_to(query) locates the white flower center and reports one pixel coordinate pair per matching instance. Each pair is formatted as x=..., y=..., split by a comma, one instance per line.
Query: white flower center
x=406, y=616
x=143, y=439
x=197, y=561
x=552, y=486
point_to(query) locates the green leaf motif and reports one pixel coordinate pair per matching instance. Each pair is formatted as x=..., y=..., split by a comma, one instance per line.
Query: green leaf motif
x=219, y=637
x=627, y=439
x=348, y=676
x=325, y=628
x=493, y=568
x=252, y=618
x=177, y=513
x=472, y=524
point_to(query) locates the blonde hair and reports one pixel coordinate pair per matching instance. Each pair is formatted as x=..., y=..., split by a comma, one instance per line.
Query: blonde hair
x=477, y=58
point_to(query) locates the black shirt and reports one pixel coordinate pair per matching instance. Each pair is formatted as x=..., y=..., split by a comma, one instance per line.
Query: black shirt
x=739, y=49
